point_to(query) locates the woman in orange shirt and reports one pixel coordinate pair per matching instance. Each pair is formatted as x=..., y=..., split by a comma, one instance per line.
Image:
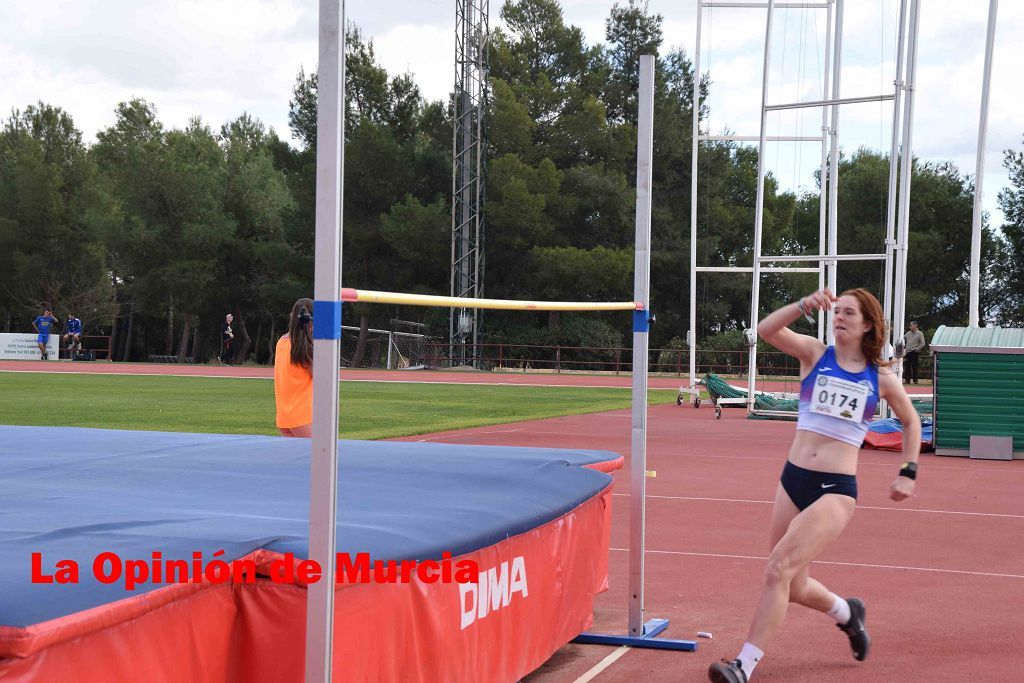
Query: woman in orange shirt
x=293, y=373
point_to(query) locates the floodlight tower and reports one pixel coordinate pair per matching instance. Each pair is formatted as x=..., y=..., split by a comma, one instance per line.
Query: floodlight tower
x=469, y=167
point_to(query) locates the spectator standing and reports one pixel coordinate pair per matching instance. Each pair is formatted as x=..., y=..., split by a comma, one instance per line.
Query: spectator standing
x=42, y=325
x=227, y=338
x=914, y=344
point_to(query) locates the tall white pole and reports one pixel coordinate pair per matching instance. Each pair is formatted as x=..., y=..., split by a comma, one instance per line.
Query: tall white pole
x=691, y=338
x=641, y=293
x=979, y=171
x=890, y=216
x=833, y=174
x=755, y=286
x=894, y=150
x=822, y=189
x=326, y=339
x=906, y=168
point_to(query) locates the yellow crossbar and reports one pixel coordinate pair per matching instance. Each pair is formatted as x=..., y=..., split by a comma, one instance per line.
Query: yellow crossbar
x=367, y=296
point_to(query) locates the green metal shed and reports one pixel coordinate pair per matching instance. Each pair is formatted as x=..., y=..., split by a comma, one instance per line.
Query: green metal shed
x=979, y=391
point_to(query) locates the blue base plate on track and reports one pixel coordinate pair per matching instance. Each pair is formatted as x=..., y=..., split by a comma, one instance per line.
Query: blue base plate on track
x=648, y=640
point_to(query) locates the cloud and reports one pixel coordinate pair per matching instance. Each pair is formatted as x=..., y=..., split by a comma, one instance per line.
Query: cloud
x=214, y=59
x=427, y=51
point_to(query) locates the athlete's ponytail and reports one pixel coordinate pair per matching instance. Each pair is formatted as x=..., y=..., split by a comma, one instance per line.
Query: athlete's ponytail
x=300, y=329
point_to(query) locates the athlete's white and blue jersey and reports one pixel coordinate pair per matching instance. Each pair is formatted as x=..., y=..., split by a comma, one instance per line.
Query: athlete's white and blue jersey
x=831, y=400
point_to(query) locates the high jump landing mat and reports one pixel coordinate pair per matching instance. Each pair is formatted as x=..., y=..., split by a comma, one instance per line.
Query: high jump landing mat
x=535, y=522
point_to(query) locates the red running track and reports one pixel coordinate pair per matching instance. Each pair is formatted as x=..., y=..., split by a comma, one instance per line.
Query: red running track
x=430, y=376
x=942, y=576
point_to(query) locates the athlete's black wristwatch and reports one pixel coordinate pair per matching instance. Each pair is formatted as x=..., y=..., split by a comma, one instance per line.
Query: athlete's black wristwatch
x=909, y=470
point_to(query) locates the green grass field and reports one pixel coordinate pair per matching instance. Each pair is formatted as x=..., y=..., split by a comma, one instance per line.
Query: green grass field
x=369, y=410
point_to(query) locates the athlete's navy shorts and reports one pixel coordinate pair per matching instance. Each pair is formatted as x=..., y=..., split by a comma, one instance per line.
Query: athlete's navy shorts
x=43, y=338
x=806, y=486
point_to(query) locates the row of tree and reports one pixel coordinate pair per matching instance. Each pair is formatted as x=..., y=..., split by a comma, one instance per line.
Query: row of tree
x=152, y=234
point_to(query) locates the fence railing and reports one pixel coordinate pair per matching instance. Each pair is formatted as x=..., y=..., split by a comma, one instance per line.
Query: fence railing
x=99, y=345
x=557, y=358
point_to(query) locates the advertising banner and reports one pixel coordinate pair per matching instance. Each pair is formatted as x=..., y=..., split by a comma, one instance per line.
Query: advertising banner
x=24, y=347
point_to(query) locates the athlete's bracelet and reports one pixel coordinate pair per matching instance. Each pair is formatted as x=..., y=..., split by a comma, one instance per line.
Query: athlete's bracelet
x=909, y=470
x=800, y=305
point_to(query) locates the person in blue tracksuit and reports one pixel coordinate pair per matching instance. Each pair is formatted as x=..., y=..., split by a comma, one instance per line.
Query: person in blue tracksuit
x=42, y=325
x=73, y=335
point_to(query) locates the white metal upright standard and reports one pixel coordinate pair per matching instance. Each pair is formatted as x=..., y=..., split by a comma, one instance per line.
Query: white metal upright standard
x=641, y=633
x=979, y=169
x=326, y=338
x=641, y=294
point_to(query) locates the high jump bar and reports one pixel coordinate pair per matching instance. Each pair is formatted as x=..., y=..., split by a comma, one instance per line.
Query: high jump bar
x=369, y=296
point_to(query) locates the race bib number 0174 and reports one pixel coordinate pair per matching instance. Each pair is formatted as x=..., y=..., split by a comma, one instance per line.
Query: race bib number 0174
x=839, y=398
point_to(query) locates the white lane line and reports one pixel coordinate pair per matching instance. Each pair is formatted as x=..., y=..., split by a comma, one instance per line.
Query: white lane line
x=602, y=665
x=859, y=507
x=935, y=570
x=454, y=435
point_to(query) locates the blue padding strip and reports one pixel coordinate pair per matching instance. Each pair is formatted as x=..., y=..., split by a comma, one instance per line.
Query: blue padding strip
x=641, y=321
x=326, y=320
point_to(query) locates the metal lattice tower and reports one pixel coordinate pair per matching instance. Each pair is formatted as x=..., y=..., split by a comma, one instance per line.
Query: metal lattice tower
x=469, y=167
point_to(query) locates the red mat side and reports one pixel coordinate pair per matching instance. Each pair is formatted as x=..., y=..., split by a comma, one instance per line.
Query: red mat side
x=535, y=594
x=429, y=632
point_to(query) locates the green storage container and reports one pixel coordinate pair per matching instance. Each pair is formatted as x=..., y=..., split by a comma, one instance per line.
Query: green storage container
x=979, y=387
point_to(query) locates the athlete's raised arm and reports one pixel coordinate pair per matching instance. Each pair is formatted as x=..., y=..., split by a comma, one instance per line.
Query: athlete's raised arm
x=774, y=328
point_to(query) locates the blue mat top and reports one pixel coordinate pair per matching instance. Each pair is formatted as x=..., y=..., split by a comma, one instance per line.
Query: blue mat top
x=72, y=493
x=892, y=425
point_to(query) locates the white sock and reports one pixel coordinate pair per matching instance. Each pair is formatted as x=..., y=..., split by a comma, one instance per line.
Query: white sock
x=749, y=656
x=840, y=610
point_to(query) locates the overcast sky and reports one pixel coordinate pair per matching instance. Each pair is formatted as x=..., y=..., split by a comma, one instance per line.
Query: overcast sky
x=218, y=58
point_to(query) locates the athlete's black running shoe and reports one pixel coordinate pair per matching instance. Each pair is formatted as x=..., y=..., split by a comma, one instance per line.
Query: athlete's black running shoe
x=727, y=672
x=860, y=643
